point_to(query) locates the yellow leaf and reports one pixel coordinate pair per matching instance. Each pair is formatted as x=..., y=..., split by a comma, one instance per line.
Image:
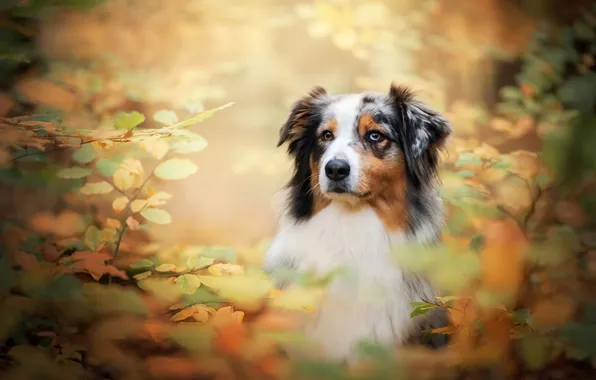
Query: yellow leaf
x=183, y=314
x=138, y=204
x=143, y=275
x=223, y=269
x=166, y=268
x=181, y=269
x=158, y=148
x=119, y=203
x=150, y=191
x=157, y=199
x=103, y=144
x=188, y=283
x=129, y=175
x=298, y=298
x=92, y=188
x=246, y=290
x=112, y=223
x=203, y=313
x=177, y=306
x=123, y=180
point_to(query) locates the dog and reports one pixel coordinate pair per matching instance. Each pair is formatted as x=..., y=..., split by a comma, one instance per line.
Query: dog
x=365, y=182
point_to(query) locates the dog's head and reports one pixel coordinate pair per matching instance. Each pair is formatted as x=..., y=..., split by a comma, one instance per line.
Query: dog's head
x=358, y=148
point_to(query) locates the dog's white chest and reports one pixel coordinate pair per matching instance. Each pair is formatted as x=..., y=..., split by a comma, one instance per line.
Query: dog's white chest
x=371, y=299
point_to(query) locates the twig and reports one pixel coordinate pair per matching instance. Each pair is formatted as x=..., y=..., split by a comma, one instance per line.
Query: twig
x=117, y=248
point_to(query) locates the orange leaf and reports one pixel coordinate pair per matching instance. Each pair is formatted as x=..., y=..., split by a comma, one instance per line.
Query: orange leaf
x=231, y=338
x=155, y=329
x=112, y=223
x=183, y=314
x=172, y=367
x=51, y=253
x=132, y=223
x=503, y=257
x=90, y=256
x=25, y=260
x=277, y=321
x=553, y=312
x=444, y=330
x=115, y=272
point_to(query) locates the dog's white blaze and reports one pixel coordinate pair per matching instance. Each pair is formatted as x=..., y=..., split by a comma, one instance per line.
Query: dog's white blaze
x=371, y=301
x=345, y=113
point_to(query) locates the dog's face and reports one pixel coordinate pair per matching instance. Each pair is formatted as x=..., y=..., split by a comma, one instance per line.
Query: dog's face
x=357, y=147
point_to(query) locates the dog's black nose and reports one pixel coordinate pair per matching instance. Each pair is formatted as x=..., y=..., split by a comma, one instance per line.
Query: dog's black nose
x=337, y=170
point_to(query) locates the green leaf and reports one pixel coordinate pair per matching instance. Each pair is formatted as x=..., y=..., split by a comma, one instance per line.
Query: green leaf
x=512, y=109
x=93, y=238
x=589, y=314
x=175, y=168
x=521, y=316
x=226, y=254
x=321, y=370
x=510, y=93
x=477, y=243
x=84, y=154
x=420, y=308
x=157, y=215
x=583, y=30
x=165, y=117
x=188, y=283
x=374, y=351
x=109, y=300
x=143, y=263
x=62, y=287
x=458, y=222
x=466, y=173
x=128, y=121
x=200, y=117
x=74, y=173
x=199, y=262
x=192, y=337
x=583, y=336
x=468, y=159
x=6, y=273
x=196, y=145
x=30, y=155
x=535, y=350
x=202, y=296
x=579, y=92
x=93, y=188
x=107, y=167
x=10, y=176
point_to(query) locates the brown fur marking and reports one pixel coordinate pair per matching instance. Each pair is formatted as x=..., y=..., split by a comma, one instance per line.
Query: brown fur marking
x=384, y=176
x=319, y=200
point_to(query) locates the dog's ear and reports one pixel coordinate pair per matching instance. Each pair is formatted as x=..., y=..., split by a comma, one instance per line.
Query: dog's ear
x=299, y=118
x=422, y=131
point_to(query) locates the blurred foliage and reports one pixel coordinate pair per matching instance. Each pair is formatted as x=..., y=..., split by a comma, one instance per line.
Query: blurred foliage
x=517, y=265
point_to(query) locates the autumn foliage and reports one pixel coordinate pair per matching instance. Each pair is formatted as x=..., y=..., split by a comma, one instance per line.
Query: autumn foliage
x=85, y=293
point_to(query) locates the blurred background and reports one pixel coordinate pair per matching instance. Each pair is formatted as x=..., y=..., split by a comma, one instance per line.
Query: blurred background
x=146, y=55
x=517, y=79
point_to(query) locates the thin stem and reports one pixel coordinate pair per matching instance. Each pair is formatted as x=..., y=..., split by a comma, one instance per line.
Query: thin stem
x=117, y=249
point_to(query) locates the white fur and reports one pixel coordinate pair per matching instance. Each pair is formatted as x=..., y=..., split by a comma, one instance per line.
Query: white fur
x=372, y=301
x=345, y=113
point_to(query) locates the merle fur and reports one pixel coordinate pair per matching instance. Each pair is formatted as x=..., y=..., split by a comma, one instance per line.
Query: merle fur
x=418, y=130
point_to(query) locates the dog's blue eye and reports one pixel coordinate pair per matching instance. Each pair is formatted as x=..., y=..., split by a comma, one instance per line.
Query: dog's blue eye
x=375, y=136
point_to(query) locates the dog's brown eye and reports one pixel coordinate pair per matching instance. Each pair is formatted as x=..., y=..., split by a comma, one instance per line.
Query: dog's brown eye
x=327, y=136
x=375, y=136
